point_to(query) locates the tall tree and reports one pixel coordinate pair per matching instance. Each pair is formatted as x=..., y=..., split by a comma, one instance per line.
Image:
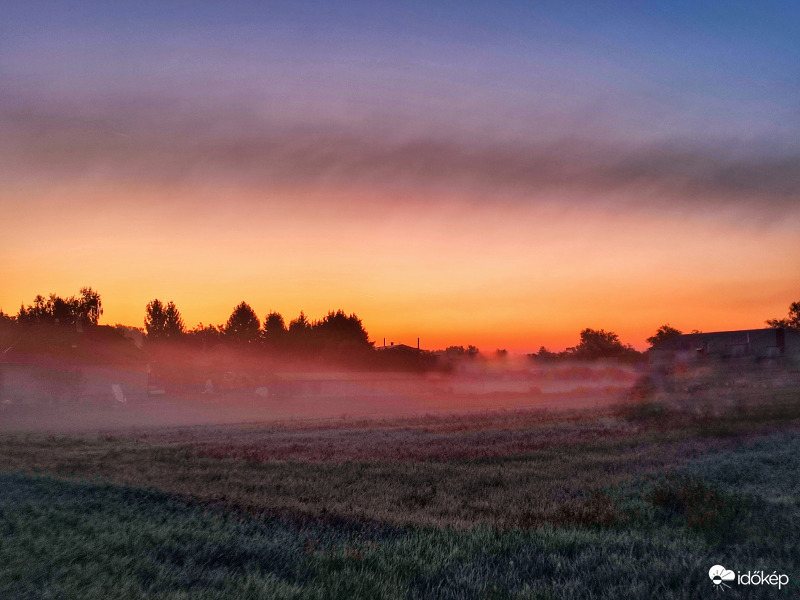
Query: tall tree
x=89, y=306
x=790, y=322
x=62, y=311
x=155, y=320
x=299, y=331
x=274, y=329
x=173, y=322
x=243, y=324
x=338, y=328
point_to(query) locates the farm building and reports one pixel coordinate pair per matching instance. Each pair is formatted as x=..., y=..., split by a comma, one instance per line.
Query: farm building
x=754, y=345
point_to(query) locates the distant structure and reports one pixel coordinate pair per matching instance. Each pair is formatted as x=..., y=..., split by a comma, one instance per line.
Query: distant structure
x=392, y=347
x=751, y=345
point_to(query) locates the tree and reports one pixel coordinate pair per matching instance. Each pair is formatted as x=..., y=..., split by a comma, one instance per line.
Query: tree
x=155, y=320
x=664, y=333
x=89, y=307
x=544, y=355
x=173, y=322
x=243, y=325
x=599, y=343
x=460, y=352
x=337, y=329
x=85, y=308
x=274, y=329
x=791, y=322
x=206, y=335
x=299, y=332
x=62, y=311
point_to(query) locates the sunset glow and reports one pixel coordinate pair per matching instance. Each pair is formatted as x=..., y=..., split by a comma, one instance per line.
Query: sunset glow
x=498, y=177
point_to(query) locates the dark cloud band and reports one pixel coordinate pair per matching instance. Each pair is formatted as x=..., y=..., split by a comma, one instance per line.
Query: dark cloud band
x=162, y=143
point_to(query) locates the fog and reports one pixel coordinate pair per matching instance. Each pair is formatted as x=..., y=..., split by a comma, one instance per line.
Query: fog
x=40, y=393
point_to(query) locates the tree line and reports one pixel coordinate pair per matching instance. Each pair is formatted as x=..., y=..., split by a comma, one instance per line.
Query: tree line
x=336, y=331
x=595, y=344
x=163, y=322
x=85, y=308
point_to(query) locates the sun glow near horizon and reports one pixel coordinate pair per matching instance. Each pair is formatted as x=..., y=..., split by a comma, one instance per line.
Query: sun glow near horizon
x=517, y=276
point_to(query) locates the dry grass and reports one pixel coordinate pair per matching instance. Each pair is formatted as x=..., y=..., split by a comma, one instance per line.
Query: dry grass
x=557, y=484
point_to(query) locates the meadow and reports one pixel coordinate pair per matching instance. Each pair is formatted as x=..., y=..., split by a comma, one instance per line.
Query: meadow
x=637, y=500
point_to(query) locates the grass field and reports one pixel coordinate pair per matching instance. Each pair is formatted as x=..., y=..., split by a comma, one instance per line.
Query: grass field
x=638, y=502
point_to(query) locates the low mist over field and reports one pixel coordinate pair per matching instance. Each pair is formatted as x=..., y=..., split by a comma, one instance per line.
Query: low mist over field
x=42, y=397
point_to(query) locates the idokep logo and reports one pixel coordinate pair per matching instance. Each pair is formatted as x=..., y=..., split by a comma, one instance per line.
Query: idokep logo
x=720, y=576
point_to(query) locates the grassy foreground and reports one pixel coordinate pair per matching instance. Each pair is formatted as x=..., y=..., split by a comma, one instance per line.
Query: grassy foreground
x=91, y=539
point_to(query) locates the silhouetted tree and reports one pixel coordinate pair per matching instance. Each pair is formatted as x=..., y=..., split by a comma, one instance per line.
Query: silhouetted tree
x=155, y=321
x=338, y=329
x=791, y=322
x=243, y=325
x=206, y=335
x=664, y=333
x=459, y=351
x=274, y=329
x=173, y=322
x=89, y=306
x=299, y=332
x=85, y=309
x=544, y=354
x=34, y=313
x=599, y=343
x=62, y=311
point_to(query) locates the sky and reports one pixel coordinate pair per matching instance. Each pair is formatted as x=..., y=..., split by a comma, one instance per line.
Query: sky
x=498, y=174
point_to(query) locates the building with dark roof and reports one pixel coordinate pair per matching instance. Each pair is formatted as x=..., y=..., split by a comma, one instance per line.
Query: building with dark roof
x=748, y=345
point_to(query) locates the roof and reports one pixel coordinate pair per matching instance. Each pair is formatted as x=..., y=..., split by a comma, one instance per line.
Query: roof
x=716, y=341
x=398, y=347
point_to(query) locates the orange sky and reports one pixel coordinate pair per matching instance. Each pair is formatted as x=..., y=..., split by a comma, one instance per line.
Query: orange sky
x=511, y=275
x=505, y=176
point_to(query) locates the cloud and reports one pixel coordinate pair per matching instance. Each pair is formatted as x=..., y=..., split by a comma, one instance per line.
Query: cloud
x=164, y=142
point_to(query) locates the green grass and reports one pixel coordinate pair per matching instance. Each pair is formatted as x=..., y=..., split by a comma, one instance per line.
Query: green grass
x=551, y=485
x=90, y=539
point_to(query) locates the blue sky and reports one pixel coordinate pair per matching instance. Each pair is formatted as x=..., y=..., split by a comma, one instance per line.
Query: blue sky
x=663, y=70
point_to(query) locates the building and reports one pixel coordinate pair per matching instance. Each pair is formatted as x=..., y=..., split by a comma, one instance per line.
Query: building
x=751, y=345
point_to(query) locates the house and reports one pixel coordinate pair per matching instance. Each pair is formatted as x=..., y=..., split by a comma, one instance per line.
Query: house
x=402, y=348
